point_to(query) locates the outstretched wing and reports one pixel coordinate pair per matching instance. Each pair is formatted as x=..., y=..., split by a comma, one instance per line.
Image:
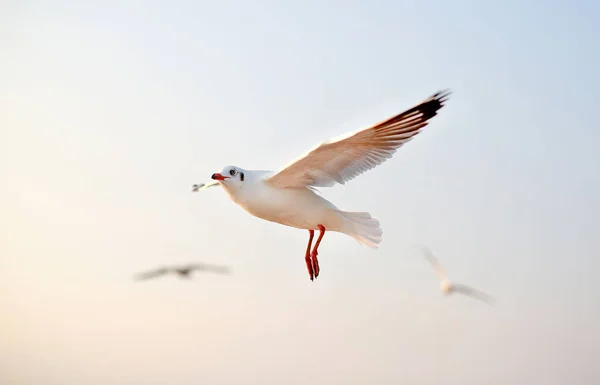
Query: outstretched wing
x=152, y=273
x=473, y=293
x=209, y=267
x=434, y=263
x=344, y=158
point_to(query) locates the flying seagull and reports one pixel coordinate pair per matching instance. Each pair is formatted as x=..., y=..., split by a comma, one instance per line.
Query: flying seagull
x=447, y=287
x=183, y=271
x=288, y=196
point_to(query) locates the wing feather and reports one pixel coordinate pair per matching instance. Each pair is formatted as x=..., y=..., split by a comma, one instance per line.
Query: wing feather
x=341, y=160
x=435, y=263
x=474, y=293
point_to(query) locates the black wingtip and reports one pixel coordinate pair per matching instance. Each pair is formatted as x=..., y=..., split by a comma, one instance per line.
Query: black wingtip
x=434, y=103
x=442, y=96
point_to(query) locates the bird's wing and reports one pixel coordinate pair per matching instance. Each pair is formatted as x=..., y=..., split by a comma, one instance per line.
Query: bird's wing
x=434, y=263
x=473, y=293
x=152, y=273
x=209, y=267
x=342, y=159
x=198, y=187
x=219, y=269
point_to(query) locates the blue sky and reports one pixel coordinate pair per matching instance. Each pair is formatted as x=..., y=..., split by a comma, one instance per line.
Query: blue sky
x=110, y=111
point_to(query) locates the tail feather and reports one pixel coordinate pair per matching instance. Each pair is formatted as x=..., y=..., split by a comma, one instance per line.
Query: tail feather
x=362, y=227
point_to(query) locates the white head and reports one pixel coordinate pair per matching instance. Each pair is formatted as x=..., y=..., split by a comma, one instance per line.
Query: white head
x=231, y=178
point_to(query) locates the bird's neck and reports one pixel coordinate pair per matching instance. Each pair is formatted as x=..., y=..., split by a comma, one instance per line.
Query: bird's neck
x=233, y=193
x=244, y=192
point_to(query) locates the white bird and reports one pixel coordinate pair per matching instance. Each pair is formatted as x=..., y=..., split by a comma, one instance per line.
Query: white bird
x=447, y=287
x=289, y=197
x=183, y=271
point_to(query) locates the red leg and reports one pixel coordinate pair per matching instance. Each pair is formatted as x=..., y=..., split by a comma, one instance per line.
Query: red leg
x=315, y=251
x=309, y=266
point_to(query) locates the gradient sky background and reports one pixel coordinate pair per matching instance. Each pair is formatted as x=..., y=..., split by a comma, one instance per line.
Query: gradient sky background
x=110, y=111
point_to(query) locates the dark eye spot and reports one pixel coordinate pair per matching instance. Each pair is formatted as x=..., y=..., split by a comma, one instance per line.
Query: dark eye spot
x=242, y=176
x=232, y=172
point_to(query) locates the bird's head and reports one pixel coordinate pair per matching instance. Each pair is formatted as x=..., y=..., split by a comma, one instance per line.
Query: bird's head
x=231, y=177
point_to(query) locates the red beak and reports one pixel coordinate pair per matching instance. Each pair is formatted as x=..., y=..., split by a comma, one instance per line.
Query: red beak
x=218, y=176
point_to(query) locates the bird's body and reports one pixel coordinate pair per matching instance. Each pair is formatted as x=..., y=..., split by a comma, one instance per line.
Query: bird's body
x=299, y=207
x=183, y=273
x=295, y=207
x=288, y=196
x=446, y=287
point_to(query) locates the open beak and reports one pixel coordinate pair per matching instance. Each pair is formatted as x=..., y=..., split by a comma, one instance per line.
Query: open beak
x=218, y=176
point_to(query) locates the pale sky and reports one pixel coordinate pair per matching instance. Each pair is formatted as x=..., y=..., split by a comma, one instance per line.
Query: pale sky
x=110, y=111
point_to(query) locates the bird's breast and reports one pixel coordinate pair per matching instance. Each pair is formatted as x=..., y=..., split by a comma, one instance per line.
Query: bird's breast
x=299, y=208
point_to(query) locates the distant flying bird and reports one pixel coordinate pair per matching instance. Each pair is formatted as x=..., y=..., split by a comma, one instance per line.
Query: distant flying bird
x=288, y=196
x=202, y=186
x=183, y=271
x=446, y=287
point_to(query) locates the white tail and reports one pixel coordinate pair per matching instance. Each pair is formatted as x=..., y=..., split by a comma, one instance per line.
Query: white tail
x=363, y=228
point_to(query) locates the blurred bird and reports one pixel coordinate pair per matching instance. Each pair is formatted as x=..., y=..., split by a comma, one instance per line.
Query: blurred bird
x=446, y=287
x=202, y=186
x=182, y=271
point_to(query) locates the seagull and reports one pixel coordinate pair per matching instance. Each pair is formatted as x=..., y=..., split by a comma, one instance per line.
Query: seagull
x=182, y=271
x=289, y=196
x=447, y=288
